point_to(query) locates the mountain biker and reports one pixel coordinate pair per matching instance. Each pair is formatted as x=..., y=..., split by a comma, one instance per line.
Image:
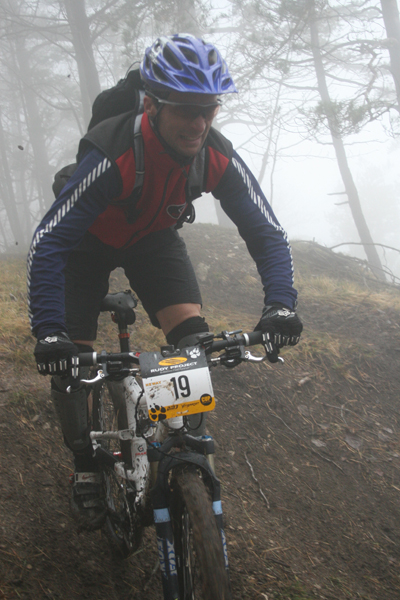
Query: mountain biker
x=96, y=224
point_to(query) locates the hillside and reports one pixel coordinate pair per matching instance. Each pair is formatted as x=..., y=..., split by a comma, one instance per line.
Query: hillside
x=319, y=436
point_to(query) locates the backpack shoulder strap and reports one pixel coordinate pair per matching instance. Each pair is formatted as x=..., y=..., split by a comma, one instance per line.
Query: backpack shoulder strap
x=194, y=188
x=138, y=149
x=195, y=183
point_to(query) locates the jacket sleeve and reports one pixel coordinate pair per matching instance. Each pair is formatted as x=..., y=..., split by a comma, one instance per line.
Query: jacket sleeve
x=245, y=204
x=86, y=195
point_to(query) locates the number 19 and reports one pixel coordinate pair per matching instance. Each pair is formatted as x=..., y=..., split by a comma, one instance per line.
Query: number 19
x=183, y=385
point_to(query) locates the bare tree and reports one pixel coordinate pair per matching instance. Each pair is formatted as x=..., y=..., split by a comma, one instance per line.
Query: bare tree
x=7, y=193
x=88, y=76
x=390, y=13
x=337, y=141
x=329, y=87
x=34, y=125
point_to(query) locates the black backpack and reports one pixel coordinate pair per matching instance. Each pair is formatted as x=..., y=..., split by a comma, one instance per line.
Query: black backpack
x=127, y=95
x=123, y=97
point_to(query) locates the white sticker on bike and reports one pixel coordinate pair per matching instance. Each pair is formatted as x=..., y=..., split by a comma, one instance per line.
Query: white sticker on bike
x=176, y=385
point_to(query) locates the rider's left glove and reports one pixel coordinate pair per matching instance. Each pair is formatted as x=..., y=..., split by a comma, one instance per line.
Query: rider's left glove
x=281, y=327
x=57, y=355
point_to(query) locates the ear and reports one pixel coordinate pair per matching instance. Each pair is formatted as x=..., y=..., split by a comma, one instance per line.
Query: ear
x=150, y=107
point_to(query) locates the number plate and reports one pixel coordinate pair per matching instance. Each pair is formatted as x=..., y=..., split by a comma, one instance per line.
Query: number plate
x=176, y=385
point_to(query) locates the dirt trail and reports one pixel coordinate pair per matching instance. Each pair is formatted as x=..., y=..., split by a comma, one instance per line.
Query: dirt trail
x=308, y=456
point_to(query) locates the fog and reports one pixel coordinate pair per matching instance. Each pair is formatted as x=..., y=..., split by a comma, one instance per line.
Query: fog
x=316, y=117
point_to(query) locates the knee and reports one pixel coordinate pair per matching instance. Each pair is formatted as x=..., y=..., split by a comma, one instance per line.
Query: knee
x=186, y=333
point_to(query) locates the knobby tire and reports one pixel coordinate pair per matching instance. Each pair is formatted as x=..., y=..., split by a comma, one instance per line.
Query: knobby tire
x=197, y=540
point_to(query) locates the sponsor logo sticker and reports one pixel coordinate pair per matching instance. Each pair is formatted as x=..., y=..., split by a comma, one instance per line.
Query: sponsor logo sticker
x=173, y=360
x=206, y=399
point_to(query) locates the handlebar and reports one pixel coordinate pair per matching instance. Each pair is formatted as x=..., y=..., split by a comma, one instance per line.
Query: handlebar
x=229, y=340
x=235, y=339
x=91, y=359
x=115, y=364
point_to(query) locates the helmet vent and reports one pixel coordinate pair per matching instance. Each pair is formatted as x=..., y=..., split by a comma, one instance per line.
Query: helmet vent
x=172, y=59
x=212, y=57
x=159, y=74
x=190, y=55
x=186, y=80
x=200, y=76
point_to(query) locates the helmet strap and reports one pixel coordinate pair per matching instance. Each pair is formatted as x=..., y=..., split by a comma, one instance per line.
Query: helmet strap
x=153, y=120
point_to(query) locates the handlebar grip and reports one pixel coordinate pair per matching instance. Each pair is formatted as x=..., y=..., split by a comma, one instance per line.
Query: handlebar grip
x=247, y=339
x=254, y=337
x=87, y=359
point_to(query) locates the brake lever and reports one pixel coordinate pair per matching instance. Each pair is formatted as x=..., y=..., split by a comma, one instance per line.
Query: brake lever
x=248, y=357
x=251, y=358
x=100, y=375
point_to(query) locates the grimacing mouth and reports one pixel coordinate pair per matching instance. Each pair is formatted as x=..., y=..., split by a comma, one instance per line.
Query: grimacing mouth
x=192, y=139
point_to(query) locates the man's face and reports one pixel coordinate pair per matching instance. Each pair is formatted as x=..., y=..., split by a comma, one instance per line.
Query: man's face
x=184, y=128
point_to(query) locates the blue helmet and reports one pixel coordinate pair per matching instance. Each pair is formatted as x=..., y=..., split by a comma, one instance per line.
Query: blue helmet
x=184, y=63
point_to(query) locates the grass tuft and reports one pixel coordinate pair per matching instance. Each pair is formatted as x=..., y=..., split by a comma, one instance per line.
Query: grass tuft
x=336, y=293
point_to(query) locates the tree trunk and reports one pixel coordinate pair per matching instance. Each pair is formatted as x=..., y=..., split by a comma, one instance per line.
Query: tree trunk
x=8, y=196
x=81, y=39
x=34, y=126
x=350, y=187
x=391, y=19
x=21, y=166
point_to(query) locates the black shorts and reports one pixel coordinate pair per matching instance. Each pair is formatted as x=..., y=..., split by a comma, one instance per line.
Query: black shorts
x=158, y=269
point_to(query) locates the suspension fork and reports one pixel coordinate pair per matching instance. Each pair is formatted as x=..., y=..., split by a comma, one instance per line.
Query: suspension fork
x=160, y=500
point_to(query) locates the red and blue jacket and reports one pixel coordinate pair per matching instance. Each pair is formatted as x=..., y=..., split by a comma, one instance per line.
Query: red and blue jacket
x=100, y=198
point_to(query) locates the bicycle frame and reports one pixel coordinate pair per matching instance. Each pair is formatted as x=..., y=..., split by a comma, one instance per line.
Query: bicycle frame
x=152, y=442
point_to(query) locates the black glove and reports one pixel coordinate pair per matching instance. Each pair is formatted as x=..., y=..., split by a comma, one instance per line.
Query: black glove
x=57, y=355
x=280, y=326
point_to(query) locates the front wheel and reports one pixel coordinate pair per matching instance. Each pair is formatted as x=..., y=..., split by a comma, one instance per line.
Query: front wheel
x=198, y=547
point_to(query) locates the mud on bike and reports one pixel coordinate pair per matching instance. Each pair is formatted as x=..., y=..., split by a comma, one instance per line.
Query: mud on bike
x=154, y=469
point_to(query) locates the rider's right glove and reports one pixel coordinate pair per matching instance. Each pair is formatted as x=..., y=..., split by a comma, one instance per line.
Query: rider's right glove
x=281, y=327
x=57, y=355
